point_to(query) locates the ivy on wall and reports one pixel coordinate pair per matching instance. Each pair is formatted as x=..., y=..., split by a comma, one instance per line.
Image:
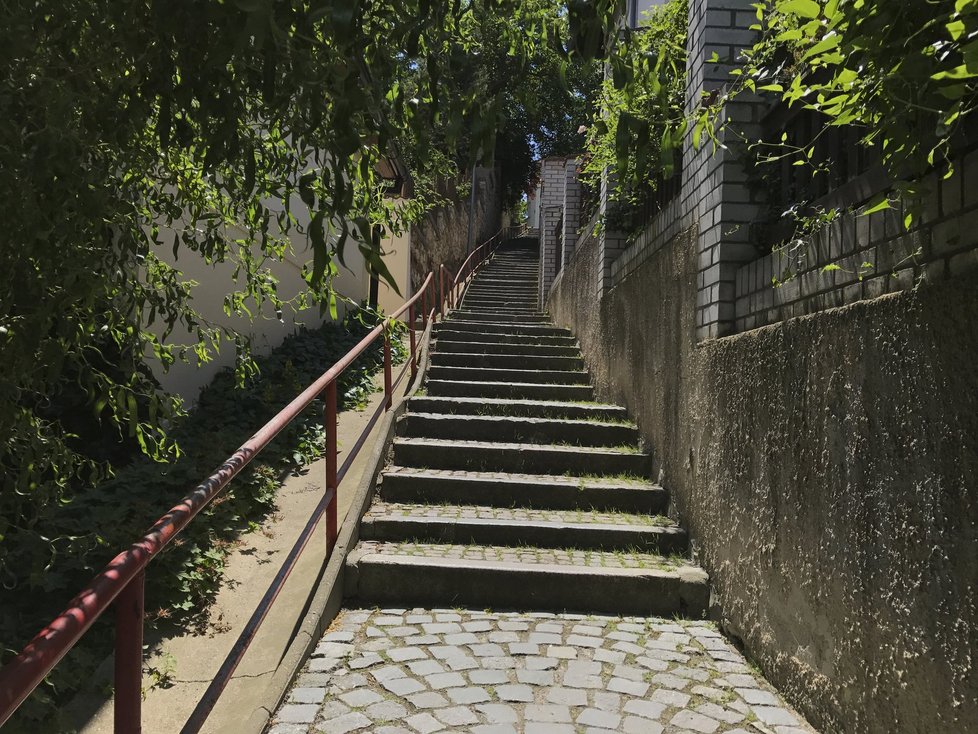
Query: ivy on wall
x=904, y=74
x=639, y=128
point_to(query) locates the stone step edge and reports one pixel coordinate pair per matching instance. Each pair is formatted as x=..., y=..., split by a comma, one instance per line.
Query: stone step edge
x=490, y=371
x=503, y=584
x=516, y=533
x=536, y=491
x=688, y=572
x=520, y=419
x=518, y=401
x=569, y=481
x=480, y=383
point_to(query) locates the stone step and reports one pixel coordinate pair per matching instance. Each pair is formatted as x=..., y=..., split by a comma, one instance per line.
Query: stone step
x=448, y=331
x=508, y=278
x=507, y=281
x=511, y=289
x=510, y=361
x=499, y=374
x=500, y=293
x=513, y=527
x=494, y=489
x=448, y=345
x=500, y=304
x=427, y=574
x=528, y=408
x=489, y=327
x=522, y=310
x=507, y=275
x=517, y=429
x=499, y=318
x=512, y=310
x=518, y=457
x=519, y=390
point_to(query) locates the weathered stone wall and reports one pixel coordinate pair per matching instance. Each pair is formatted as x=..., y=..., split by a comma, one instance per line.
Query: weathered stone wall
x=827, y=469
x=442, y=236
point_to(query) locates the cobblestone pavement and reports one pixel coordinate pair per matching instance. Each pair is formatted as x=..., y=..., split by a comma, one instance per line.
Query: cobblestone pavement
x=397, y=671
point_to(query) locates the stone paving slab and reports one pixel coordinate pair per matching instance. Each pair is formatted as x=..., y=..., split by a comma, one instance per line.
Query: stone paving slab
x=422, y=671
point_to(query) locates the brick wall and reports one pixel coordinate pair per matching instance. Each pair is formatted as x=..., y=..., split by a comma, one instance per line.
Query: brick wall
x=553, y=179
x=868, y=255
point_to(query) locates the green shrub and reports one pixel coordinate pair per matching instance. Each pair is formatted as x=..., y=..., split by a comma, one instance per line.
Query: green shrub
x=183, y=580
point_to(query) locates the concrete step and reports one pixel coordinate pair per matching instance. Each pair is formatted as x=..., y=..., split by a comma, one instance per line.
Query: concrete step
x=498, y=374
x=499, y=318
x=518, y=457
x=489, y=327
x=490, y=289
x=494, y=489
x=519, y=390
x=523, y=310
x=500, y=304
x=471, y=524
x=511, y=310
x=516, y=429
x=528, y=408
x=446, y=344
x=508, y=277
x=426, y=574
x=507, y=361
x=481, y=290
x=448, y=331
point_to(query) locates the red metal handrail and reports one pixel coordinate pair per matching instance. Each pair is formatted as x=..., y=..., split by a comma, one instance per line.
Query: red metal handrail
x=472, y=263
x=122, y=580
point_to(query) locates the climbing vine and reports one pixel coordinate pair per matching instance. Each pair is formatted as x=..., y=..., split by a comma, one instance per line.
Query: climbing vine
x=639, y=127
x=904, y=74
x=213, y=130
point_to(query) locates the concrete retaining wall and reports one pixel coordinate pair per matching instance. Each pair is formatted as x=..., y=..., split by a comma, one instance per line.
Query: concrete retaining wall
x=826, y=468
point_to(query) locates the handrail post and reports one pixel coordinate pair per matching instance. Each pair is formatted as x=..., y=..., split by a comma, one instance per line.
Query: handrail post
x=414, y=348
x=129, y=613
x=441, y=290
x=388, y=392
x=329, y=419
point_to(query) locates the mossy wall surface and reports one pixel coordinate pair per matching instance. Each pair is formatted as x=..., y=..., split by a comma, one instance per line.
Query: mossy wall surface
x=827, y=470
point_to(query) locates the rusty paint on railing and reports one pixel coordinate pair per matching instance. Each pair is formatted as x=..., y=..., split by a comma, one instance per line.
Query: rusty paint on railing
x=122, y=581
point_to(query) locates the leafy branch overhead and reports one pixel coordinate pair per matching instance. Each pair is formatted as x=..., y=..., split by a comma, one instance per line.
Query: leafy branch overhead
x=904, y=74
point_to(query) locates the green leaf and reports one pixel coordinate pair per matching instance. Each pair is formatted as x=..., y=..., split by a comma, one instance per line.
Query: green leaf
x=802, y=8
x=877, y=205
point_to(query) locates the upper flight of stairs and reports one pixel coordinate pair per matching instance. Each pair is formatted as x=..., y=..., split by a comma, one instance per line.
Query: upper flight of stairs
x=508, y=487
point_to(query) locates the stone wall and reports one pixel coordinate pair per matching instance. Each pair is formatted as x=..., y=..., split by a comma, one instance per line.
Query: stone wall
x=825, y=467
x=442, y=236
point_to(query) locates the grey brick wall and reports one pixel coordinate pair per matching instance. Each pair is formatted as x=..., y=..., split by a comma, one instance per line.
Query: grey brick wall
x=553, y=179
x=874, y=255
x=572, y=209
x=714, y=182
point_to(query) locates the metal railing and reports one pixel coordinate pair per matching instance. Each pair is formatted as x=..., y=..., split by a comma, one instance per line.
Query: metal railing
x=122, y=582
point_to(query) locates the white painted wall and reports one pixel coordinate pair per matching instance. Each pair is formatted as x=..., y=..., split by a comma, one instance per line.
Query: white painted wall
x=266, y=330
x=636, y=8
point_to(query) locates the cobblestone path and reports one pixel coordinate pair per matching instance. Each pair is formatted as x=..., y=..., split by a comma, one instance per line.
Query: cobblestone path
x=508, y=487
x=397, y=671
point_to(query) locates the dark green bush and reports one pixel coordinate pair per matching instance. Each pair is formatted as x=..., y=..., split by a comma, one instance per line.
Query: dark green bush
x=182, y=581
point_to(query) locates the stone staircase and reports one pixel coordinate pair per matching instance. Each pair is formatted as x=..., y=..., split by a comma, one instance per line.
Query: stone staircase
x=508, y=487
